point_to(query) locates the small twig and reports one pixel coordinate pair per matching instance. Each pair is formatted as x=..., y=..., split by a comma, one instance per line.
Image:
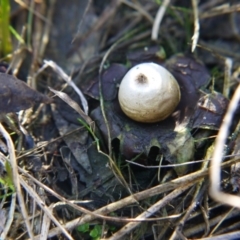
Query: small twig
x=132, y=199
x=218, y=51
x=150, y=211
x=158, y=19
x=225, y=9
x=46, y=221
x=95, y=214
x=42, y=205
x=231, y=235
x=221, y=221
x=182, y=181
x=139, y=8
x=102, y=212
x=178, y=164
x=25, y=5
x=47, y=28
x=16, y=181
x=198, y=228
x=196, y=198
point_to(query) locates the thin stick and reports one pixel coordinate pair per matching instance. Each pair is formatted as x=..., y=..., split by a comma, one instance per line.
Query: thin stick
x=158, y=19
x=99, y=213
x=150, y=211
x=43, y=206
x=137, y=6
x=231, y=235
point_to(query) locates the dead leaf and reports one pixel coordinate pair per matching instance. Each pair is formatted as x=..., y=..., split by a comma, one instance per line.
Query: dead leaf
x=16, y=95
x=110, y=80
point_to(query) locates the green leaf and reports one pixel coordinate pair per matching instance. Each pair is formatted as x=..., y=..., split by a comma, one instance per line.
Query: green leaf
x=83, y=228
x=96, y=232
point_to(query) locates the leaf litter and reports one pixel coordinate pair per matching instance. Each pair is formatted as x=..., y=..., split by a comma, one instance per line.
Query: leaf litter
x=76, y=161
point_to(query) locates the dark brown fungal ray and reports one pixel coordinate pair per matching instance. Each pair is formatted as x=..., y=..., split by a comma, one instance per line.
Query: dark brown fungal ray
x=16, y=95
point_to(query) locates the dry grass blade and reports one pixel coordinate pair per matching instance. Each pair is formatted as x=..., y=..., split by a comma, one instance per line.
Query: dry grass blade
x=124, y=199
x=24, y=5
x=68, y=80
x=197, y=228
x=226, y=8
x=231, y=235
x=184, y=181
x=179, y=182
x=10, y=217
x=73, y=104
x=200, y=189
x=158, y=19
x=150, y=211
x=140, y=9
x=113, y=165
x=221, y=221
x=47, y=29
x=196, y=24
x=227, y=76
x=42, y=205
x=45, y=224
x=215, y=170
x=16, y=181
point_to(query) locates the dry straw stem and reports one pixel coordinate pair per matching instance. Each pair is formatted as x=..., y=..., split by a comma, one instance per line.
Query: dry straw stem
x=200, y=189
x=73, y=105
x=197, y=228
x=42, y=205
x=16, y=182
x=215, y=170
x=68, y=80
x=158, y=19
x=10, y=217
x=196, y=24
x=224, y=217
x=218, y=51
x=47, y=28
x=113, y=165
x=26, y=6
x=150, y=211
x=102, y=212
x=220, y=10
x=232, y=235
x=227, y=76
x=204, y=7
x=46, y=221
x=137, y=6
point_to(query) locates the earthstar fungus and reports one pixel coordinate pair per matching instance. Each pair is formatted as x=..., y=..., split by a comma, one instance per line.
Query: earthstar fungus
x=148, y=93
